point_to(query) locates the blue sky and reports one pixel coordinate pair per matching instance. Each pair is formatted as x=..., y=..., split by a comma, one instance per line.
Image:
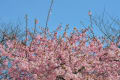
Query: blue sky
x=63, y=11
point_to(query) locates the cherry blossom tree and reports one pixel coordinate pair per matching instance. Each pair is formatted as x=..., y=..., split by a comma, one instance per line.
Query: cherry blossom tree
x=67, y=57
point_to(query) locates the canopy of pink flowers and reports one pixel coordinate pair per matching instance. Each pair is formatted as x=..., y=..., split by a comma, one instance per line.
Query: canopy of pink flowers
x=74, y=57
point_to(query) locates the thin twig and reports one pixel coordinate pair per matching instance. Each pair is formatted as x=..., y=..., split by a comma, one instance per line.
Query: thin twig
x=26, y=20
x=48, y=16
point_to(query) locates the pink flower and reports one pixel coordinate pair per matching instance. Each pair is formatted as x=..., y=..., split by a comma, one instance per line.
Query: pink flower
x=89, y=13
x=36, y=21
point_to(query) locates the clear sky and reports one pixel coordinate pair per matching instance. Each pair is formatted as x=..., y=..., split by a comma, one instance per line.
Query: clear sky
x=63, y=11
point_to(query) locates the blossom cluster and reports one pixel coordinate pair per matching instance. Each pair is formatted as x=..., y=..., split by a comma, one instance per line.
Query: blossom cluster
x=74, y=57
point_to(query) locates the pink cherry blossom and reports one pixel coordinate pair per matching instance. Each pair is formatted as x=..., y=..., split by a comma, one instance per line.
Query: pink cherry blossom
x=71, y=57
